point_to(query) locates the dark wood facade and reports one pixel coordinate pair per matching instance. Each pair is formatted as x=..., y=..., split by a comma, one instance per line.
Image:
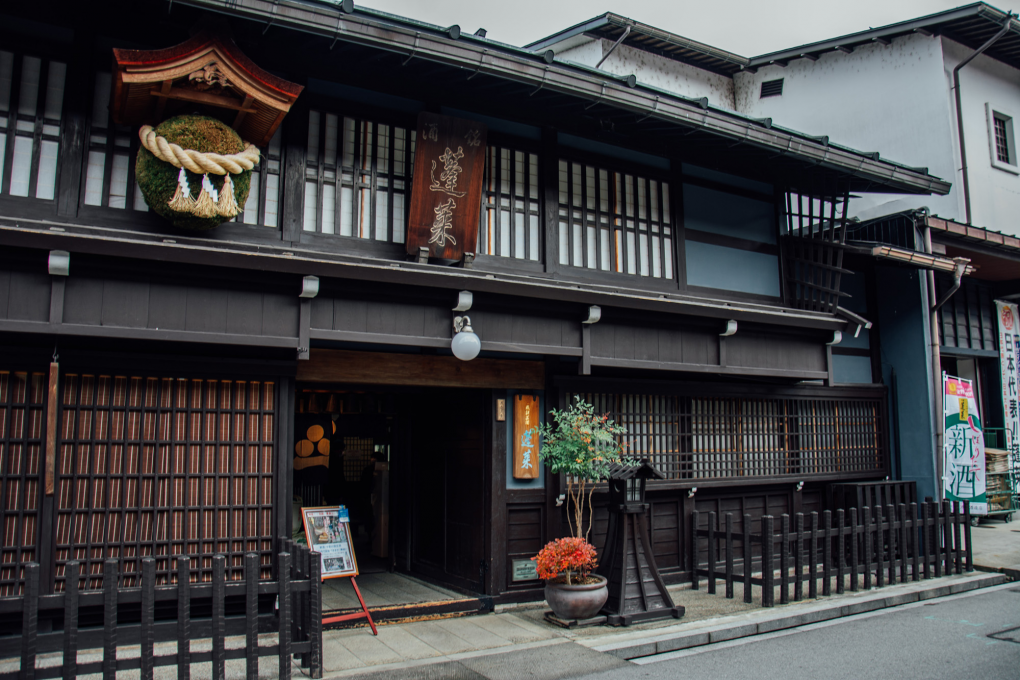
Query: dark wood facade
x=200, y=342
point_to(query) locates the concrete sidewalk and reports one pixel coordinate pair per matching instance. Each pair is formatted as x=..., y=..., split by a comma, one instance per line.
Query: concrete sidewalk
x=997, y=547
x=710, y=618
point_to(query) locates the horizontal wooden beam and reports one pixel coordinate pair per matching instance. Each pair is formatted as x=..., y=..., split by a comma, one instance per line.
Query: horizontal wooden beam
x=380, y=368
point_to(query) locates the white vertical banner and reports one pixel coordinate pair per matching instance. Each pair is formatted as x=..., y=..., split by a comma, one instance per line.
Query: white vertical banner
x=1009, y=353
x=964, y=440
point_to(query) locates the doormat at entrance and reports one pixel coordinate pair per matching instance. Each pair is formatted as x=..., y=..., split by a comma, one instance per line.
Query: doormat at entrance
x=419, y=611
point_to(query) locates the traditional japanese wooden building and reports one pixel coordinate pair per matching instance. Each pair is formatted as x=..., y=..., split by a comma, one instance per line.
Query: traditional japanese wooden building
x=676, y=264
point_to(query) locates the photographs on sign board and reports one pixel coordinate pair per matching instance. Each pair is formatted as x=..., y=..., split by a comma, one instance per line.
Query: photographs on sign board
x=328, y=533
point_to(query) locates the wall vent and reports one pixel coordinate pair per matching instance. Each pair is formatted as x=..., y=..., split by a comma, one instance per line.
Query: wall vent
x=772, y=88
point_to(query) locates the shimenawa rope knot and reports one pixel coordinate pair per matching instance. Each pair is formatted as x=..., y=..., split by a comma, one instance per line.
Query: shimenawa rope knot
x=198, y=162
x=201, y=163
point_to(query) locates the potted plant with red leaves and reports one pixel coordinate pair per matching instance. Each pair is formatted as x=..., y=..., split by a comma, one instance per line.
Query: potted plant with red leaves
x=581, y=445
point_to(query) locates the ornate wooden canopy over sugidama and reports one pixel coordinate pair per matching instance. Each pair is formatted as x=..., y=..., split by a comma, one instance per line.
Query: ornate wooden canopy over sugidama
x=207, y=73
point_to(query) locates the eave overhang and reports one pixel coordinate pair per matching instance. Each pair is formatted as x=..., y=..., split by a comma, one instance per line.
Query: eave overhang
x=855, y=171
x=100, y=240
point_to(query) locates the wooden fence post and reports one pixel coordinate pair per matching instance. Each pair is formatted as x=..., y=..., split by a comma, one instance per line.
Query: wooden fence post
x=694, y=550
x=219, y=658
x=286, y=616
x=840, y=550
x=912, y=513
x=183, y=618
x=251, y=609
x=854, y=549
x=784, y=560
x=947, y=539
x=926, y=537
x=748, y=557
x=813, y=558
x=957, y=547
x=798, y=558
x=69, y=669
x=890, y=512
x=315, y=622
x=879, y=547
x=729, y=555
x=868, y=548
x=711, y=553
x=966, y=530
x=110, y=588
x=827, y=554
x=146, y=660
x=904, y=547
x=29, y=621
x=767, y=563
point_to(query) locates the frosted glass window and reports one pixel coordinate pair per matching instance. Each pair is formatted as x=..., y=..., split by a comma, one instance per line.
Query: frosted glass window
x=119, y=181
x=94, y=178
x=21, y=167
x=35, y=126
x=55, y=90
x=354, y=165
x=47, y=179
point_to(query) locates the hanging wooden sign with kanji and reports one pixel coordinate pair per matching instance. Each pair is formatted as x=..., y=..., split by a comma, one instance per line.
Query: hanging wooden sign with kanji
x=446, y=198
x=525, y=437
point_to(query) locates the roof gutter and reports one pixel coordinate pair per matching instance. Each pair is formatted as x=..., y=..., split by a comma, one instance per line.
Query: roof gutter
x=959, y=111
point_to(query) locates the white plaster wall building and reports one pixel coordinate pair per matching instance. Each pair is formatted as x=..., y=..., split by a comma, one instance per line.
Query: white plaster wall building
x=888, y=89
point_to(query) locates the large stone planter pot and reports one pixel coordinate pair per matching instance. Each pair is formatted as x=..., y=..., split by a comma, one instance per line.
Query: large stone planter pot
x=577, y=601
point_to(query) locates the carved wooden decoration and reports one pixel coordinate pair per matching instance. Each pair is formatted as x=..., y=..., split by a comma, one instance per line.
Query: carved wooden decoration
x=447, y=194
x=525, y=439
x=207, y=72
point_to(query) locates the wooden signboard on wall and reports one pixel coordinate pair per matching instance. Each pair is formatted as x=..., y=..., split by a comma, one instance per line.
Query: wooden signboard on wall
x=525, y=439
x=447, y=192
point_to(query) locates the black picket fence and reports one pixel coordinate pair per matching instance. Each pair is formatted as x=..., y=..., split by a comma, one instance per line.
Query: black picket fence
x=876, y=546
x=99, y=622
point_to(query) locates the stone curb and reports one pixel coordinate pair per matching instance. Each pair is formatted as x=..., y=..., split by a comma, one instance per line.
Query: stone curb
x=1011, y=573
x=770, y=621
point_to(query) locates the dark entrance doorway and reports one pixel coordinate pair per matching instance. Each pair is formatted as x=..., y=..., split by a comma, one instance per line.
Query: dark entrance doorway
x=445, y=453
x=413, y=478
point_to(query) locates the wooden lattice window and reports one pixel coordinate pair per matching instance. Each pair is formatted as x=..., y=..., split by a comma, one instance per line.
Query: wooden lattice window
x=22, y=423
x=510, y=205
x=814, y=238
x=614, y=221
x=692, y=438
x=110, y=161
x=31, y=104
x=357, y=177
x=163, y=467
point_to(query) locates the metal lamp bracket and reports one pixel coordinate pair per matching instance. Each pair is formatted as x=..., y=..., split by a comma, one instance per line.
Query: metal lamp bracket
x=464, y=301
x=594, y=315
x=731, y=329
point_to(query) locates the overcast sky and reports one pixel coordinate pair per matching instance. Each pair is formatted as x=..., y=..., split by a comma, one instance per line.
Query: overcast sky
x=746, y=27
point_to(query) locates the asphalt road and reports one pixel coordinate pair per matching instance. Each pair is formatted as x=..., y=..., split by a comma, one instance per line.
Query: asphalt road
x=964, y=636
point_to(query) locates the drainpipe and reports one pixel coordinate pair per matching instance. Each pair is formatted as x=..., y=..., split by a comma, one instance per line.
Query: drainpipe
x=936, y=360
x=936, y=354
x=959, y=111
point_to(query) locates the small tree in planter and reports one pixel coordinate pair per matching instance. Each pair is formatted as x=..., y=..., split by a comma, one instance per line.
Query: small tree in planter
x=581, y=445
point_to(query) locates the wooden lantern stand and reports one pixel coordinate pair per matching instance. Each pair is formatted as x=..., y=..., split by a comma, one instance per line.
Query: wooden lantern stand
x=636, y=591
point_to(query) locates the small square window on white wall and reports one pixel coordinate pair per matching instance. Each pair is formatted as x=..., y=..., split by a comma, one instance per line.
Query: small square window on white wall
x=1001, y=143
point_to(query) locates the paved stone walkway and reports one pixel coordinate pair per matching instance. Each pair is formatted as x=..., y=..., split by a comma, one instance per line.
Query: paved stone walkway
x=437, y=644
x=997, y=546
